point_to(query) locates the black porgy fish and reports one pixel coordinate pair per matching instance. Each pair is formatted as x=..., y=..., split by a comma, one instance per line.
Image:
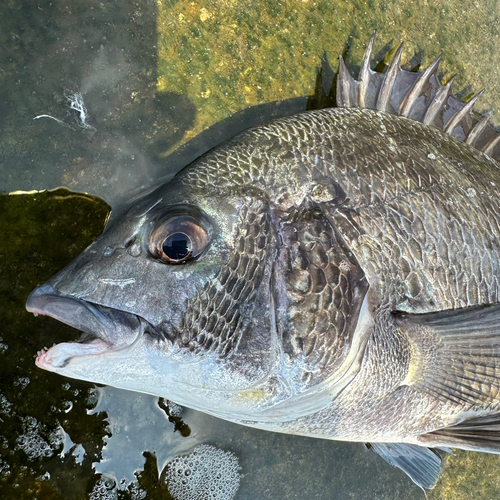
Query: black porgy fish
x=333, y=274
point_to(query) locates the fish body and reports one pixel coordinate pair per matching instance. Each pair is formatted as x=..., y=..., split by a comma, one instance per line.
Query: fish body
x=332, y=274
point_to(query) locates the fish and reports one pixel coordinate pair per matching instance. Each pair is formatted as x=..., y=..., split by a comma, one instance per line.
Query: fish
x=332, y=274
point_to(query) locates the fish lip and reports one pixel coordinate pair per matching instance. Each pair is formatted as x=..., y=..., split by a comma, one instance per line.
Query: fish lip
x=46, y=301
x=109, y=329
x=87, y=317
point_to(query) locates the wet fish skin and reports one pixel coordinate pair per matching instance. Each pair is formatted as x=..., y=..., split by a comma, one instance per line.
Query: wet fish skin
x=351, y=256
x=305, y=175
x=405, y=226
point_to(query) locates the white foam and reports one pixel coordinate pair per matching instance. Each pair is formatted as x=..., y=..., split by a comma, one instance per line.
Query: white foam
x=207, y=473
x=31, y=442
x=104, y=489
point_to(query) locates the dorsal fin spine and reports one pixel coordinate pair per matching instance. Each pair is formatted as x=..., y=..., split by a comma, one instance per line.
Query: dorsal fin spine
x=457, y=118
x=343, y=86
x=478, y=129
x=364, y=73
x=488, y=149
x=419, y=95
x=415, y=91
x=389, y=79
x=439, y=99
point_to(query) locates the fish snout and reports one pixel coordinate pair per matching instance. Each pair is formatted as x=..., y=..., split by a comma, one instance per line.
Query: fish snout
x=38, y=299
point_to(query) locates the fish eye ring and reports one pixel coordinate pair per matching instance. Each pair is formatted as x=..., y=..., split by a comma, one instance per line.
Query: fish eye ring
x=177, y=247
x=178, y=239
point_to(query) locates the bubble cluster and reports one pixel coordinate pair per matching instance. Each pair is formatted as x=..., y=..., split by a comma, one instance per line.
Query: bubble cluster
x=207, y=473
x=31, y=442
x=4, y=468
x=136, y=493
x=21, y=382
x=174, y=410
x=104, y=489
x=5, y=405
x=57, y=437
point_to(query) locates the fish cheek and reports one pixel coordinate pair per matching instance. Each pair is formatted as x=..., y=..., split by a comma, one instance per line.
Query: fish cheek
x=232, y=312
x=325, y=288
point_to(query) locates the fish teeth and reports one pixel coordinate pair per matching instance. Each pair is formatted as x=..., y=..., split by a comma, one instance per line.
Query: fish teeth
x=42, y=351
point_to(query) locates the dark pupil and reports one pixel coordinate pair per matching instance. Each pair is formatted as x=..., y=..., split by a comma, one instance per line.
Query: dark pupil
x=177, y=246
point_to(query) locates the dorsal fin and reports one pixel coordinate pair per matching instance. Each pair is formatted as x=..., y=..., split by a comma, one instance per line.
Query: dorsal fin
x=390, y=78
x=419, y=96
x=417, y=88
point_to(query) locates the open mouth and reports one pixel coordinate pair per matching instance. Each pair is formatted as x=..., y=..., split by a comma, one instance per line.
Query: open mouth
x=104, y=329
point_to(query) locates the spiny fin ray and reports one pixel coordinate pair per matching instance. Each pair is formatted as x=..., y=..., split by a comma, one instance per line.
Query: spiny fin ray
x=490, y=147
x=478, y=129
x=417, y=88
x=344, y=85
x=389, y=80
x=457, y=118
x=437, y=102
x=418, y=96
x=364, y=74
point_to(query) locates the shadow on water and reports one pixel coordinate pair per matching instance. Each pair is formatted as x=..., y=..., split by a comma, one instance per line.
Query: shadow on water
x=108, y=53
x=39, y=413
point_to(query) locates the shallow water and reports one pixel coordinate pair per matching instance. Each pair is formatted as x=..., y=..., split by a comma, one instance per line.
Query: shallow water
x=153, y=75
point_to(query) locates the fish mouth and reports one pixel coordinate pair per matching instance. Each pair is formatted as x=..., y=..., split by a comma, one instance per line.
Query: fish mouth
x=104, y=329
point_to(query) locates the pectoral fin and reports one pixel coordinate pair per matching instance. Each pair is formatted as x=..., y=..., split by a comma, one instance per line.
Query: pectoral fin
x=423, y=465
x=455, y=355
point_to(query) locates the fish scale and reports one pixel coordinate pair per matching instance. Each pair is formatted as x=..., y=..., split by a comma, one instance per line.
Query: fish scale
x=383, y=207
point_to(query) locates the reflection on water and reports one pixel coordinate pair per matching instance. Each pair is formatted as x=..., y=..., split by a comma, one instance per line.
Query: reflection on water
x=153, y=74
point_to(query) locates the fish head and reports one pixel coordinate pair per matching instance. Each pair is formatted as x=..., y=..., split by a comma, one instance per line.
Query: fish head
x=173, y=299
x=229, y=289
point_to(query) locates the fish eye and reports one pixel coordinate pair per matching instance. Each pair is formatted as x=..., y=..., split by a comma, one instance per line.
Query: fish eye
x=177, y=247
x=178, y=239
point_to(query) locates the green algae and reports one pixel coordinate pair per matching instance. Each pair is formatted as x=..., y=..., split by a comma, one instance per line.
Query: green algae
x=469, y=475
x=36, y=404
x=227, y=55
